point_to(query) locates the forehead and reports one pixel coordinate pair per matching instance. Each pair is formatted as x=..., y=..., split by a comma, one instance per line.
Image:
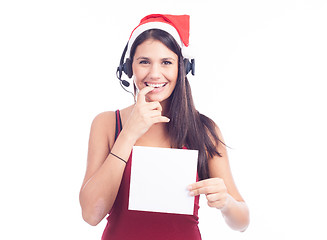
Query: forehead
x=154, y=48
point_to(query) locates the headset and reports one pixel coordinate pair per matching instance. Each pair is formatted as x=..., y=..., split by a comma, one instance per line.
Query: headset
x=126, y=67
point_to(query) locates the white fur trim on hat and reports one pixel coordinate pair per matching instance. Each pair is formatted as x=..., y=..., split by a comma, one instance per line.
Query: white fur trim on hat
x=155, y=25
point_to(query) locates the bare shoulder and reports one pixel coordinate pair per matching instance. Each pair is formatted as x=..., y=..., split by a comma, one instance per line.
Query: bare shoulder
x=104, y=118
x=103, y=126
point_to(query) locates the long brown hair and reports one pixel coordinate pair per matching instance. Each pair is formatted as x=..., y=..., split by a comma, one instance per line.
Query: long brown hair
x=187, y=127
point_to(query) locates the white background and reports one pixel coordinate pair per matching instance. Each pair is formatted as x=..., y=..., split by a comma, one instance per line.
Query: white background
x=260, y=74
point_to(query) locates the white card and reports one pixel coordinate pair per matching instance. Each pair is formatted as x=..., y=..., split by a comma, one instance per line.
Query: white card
x=159, y=179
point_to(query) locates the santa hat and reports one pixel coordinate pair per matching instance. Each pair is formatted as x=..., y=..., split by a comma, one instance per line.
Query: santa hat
x=177, y=26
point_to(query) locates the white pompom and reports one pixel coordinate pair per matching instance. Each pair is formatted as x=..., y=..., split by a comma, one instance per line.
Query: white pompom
x=187, y=53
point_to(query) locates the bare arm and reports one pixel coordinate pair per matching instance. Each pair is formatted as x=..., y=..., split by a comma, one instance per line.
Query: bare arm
x=221, y=191
x=104, y=171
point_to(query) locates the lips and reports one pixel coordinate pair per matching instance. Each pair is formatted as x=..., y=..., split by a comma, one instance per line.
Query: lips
x=156, y=85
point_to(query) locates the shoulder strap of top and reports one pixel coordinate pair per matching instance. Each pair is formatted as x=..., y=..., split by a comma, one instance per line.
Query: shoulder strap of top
x=118, y=124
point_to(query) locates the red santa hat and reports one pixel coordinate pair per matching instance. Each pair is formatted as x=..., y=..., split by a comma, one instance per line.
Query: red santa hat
x=176, y=25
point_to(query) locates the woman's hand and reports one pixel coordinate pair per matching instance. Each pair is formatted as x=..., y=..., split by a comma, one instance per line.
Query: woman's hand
x=214, y=189
x=144, y=115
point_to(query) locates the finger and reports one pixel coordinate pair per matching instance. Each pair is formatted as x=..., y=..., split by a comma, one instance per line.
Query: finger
x=217, y=204
x=160, y=119
x=215, y=197
x=213, y=204
x=143, y=92
x=154, y=113
x=212, y=197
x=155, y=106
x=204, y=190
x=204, y=183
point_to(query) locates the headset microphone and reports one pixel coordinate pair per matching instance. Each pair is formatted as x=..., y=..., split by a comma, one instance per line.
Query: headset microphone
x=122, y=81
x=125, y=83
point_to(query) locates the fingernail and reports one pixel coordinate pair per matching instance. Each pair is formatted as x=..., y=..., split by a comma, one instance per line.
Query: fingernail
x=189, y=187
x=191, y=194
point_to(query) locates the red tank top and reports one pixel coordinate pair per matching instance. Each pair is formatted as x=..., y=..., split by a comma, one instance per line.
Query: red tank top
x=124, y=224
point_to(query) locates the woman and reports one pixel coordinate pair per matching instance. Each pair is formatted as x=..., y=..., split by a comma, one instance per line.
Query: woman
x=163, y=116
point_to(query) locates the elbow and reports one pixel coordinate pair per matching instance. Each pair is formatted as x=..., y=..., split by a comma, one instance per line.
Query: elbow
x=245, y=222
x=93, y=215
x=238, y=220
x=243, y=229
x=91, y=219
x=240, y=226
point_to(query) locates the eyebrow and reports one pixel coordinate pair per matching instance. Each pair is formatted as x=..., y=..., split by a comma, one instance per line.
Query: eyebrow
x=163, y=59
x=166, y=59
x=142, y=58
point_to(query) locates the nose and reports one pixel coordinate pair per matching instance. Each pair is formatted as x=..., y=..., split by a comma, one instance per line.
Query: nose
x=154, y=71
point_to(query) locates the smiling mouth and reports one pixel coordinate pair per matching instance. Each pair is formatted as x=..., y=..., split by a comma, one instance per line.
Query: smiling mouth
x=156, y=85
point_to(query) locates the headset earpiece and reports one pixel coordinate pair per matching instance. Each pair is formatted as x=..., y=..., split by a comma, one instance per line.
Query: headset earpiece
x=127, y=68
x=189, y=66
x=124, y=67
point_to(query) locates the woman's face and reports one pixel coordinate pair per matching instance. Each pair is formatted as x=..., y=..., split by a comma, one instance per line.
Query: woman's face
x=155, y=65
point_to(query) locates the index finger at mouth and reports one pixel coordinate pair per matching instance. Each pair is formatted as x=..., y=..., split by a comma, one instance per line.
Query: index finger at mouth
x=143, y=92
x=155, y=105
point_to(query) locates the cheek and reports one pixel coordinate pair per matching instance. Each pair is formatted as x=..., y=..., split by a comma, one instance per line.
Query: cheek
x=138, y=76
x=172, y=76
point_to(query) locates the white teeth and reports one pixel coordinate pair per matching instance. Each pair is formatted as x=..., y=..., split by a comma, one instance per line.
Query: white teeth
x=156, y=85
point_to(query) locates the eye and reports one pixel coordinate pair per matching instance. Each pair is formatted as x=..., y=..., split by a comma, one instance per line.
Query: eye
x=166, y=62
x=144, y=62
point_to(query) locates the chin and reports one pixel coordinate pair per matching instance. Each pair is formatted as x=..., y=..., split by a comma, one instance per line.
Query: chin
x=156, y=99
